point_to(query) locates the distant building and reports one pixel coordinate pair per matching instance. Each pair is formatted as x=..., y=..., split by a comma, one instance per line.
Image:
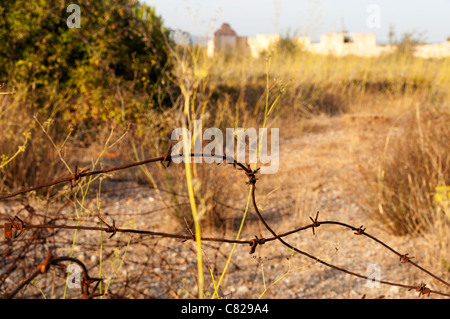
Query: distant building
x=337, y=44
x=261, y=43
x=226, y=40
x=341, y=44
x=437, y=50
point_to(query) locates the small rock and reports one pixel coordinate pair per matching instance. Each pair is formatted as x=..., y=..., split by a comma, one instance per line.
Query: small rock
x=394, y=290
x=242, y=290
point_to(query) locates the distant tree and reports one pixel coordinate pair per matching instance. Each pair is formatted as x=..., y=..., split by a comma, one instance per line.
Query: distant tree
x=406, y=45
x=391, y=35
x=287, y=45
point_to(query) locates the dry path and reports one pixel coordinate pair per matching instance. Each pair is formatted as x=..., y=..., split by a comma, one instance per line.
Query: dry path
x=318, y=171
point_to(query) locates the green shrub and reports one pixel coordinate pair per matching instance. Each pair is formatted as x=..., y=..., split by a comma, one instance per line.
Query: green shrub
x=85, y=73
x=113, y=70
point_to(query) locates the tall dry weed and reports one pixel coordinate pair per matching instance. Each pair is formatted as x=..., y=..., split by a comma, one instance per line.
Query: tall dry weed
x=405, y=195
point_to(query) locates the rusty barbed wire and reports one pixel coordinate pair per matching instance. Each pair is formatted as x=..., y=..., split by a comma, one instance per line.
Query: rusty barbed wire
x=253, y=242
x=358, y=231
x=78, y=175
x=49, y=260
x=15, y=227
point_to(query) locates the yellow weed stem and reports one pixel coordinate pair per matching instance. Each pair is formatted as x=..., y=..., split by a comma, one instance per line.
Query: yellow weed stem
x=189, y=181
x=216, y=288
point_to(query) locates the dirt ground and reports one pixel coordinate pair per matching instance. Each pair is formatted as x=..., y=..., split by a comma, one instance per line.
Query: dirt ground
x=319, y=170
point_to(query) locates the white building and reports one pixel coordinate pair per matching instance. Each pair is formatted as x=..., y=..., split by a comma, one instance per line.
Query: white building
x=337, y=44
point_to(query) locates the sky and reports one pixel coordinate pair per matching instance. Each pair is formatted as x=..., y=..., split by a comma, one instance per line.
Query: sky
x=428, y=20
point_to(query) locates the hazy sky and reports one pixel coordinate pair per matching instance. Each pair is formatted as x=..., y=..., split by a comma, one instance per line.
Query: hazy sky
x=429, y=19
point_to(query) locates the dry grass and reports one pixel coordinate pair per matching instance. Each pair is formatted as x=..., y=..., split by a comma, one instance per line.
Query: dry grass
x=403, y=158
x=412, y=165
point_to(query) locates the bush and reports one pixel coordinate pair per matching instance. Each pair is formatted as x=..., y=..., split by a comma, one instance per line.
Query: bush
x=85, y=73
x=111, y=71
x=415, y=165
x=407, y=44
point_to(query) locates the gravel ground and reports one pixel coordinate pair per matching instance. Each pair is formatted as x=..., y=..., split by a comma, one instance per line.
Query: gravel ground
x=310, y=179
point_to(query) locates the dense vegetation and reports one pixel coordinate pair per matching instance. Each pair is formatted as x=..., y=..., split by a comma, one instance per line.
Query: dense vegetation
x=83, y=74
x=113, y=70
